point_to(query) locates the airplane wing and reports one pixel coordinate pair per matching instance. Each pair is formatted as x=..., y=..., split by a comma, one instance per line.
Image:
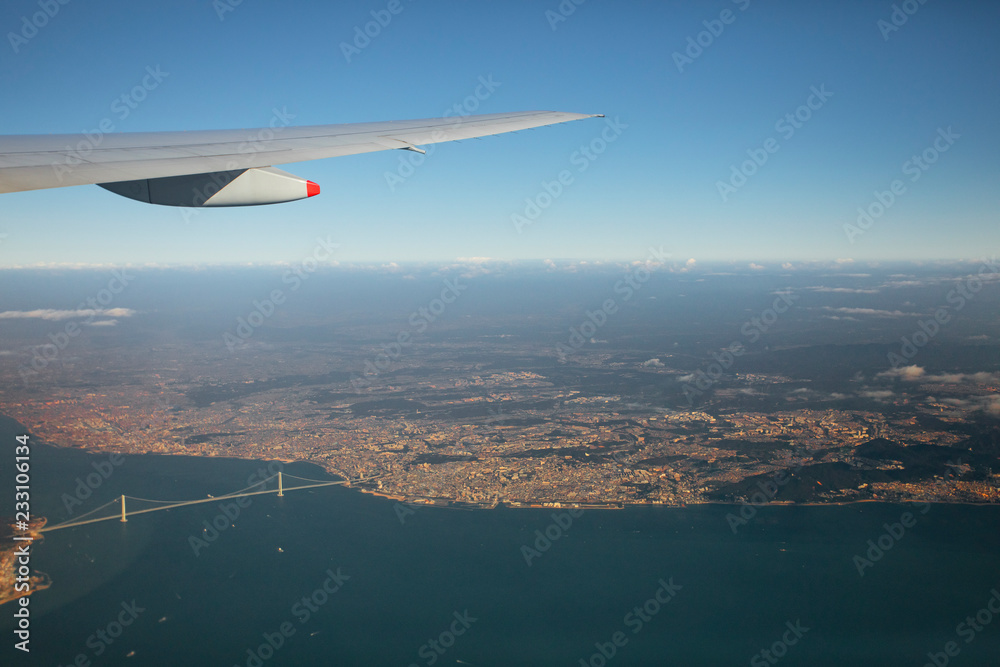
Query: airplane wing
x=227, y=167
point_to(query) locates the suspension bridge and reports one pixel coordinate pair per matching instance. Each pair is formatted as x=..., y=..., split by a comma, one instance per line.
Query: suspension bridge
x=107, y=511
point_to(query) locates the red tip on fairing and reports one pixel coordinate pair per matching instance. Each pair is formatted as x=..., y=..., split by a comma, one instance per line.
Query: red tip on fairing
x=311, y=189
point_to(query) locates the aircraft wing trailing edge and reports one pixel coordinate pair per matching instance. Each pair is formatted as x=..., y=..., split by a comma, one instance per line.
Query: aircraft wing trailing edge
x=228, y=167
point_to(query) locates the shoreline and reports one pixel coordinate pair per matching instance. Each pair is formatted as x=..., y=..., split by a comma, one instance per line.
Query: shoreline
x=428, y=501
x=433, y=501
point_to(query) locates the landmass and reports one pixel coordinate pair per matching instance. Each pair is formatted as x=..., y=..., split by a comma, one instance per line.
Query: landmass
x=713, y=387
x=517, y=437
x=9, y=576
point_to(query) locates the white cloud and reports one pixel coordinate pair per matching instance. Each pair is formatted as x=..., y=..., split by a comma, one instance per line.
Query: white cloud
x=917, y=373
x=989, y=403
x=685, y=267
x=845, y=290
x=904, y=373
x=56, y=315
x=878, y=394
x=956, y=378
x=875, y=312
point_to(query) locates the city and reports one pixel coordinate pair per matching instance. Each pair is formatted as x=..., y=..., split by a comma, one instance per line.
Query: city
x=449, y=432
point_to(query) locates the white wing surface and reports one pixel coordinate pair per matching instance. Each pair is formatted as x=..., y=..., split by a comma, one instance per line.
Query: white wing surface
x=197, y=168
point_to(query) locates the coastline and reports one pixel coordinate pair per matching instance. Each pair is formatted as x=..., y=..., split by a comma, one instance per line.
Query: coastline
x=511, y=503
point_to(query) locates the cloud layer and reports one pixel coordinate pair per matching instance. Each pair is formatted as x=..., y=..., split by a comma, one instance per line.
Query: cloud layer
x=54, y=315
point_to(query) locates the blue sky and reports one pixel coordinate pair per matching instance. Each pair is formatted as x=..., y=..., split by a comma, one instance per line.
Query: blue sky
x=887, y=95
